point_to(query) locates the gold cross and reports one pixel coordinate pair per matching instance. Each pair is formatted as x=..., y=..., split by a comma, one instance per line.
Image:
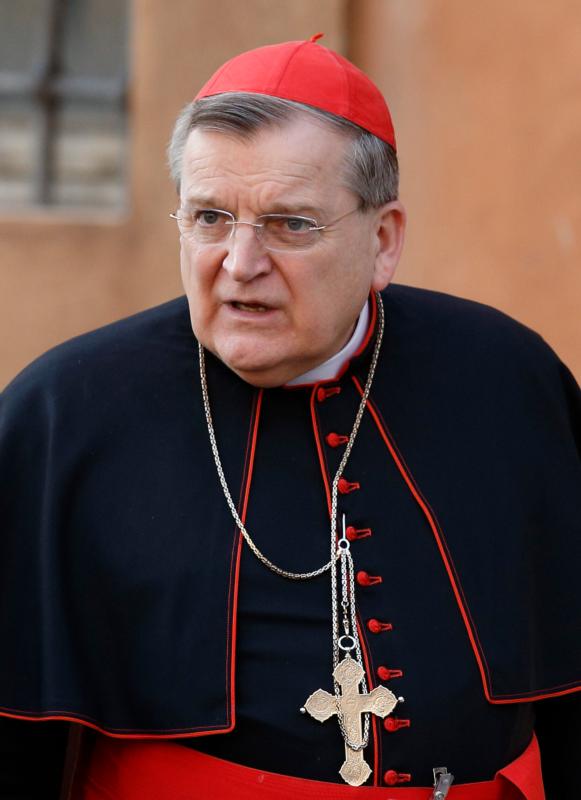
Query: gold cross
x=351, y=705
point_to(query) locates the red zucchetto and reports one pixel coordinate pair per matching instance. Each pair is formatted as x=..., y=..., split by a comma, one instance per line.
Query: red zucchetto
x=307, y=73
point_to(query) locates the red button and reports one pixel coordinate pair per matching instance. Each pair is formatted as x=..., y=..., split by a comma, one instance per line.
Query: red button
x=385, y=674
x=375, y=626
x=365, y=579
x=392, y=778
x=327, y=391
x=336, y=439
x=392, y=724
x=345, y=486
x=356, y=533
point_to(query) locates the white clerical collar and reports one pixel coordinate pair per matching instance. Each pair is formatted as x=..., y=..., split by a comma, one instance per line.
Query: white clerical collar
x=331, y=368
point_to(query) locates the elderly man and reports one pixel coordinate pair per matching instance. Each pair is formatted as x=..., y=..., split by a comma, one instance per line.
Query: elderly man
x=331, y=537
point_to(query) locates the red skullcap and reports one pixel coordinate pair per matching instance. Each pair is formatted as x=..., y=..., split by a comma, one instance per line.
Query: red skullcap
x=307, y=73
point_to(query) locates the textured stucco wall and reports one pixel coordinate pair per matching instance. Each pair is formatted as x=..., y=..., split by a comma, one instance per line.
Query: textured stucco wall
x=61, y=274
x=486, y=103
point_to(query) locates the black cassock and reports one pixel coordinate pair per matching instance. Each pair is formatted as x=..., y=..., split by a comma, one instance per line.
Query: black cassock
x=129, y=603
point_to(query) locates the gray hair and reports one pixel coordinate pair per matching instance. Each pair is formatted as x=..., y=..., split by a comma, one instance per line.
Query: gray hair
x=371, y=169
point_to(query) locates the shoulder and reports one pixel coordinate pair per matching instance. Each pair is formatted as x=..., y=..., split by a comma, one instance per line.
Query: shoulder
x=453, y=328
x=459, y=352
x=121, y=347
x=427, y=309
x=106, y=369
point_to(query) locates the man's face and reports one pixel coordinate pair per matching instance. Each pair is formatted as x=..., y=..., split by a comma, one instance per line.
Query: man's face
x=271, y=316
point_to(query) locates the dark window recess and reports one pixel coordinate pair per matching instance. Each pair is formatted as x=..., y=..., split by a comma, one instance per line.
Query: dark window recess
x=63, y=91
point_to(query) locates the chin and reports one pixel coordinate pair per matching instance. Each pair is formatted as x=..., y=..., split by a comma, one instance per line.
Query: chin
x=261, y=361
x=244, y=357
x=262, y=380
x=258, y=372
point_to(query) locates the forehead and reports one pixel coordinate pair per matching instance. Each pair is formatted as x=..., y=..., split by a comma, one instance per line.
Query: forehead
x=301, y=161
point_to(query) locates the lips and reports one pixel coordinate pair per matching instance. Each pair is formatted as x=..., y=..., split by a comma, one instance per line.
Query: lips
x=256, y=308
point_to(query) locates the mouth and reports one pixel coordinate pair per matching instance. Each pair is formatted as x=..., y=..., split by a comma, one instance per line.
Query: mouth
x=256, y=308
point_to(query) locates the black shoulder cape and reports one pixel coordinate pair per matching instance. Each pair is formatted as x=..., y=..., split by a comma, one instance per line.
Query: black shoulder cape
x=118, y=554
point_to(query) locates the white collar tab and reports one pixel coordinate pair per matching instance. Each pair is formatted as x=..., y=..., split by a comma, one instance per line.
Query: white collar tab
x=333, y=366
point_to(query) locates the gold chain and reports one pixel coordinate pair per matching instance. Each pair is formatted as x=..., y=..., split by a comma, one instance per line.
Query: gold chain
x=296, y=576
x=348, y=583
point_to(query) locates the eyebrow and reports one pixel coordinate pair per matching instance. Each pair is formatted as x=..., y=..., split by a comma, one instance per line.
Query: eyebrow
x=295, y=208
x=278, y=207
x=201, y=201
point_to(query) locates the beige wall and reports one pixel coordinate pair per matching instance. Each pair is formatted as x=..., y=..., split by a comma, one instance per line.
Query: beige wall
x=61, y=275
x=485, y=99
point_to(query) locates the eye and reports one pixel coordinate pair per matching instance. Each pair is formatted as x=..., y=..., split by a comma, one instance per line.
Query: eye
x=284, y=225
x=297, y=224
x=209, y=217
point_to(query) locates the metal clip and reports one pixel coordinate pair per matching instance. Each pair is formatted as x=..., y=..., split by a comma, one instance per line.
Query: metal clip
x=442, y=782
x=343, y=544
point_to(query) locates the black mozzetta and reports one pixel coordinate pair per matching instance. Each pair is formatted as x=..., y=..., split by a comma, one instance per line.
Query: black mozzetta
x=129, y=604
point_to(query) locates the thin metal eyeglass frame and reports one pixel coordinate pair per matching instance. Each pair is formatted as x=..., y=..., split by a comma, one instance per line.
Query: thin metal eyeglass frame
x=258, y=227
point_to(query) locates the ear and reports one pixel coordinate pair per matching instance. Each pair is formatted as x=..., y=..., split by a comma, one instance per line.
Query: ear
x=389, y=233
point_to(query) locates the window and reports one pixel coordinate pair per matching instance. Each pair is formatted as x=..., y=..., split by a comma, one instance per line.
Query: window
x=63, y=87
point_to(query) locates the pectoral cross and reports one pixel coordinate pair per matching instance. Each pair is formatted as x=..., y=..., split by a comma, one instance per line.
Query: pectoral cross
x=351, y=705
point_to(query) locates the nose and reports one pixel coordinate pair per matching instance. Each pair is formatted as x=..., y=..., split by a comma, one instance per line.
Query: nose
x=246, y=258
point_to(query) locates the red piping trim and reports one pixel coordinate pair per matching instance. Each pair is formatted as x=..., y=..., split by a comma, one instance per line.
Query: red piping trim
x=231, y=633
x=454, y=578
x=369, y=670
x=356, y=354
x=366, y=340
x=454, y=581
x=364, y=649
x=244, y=493
x=183, y=733
x=70, y=716
x=320, y=451
x=527, y=697
x=370, y=329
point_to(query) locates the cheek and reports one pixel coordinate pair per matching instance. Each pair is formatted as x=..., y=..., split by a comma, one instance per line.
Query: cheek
x=198, y=288
x=312, y=315
x=186, y=264
x=198, y=270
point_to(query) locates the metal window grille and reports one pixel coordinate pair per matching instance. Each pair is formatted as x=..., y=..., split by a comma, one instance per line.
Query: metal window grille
x=63, y=100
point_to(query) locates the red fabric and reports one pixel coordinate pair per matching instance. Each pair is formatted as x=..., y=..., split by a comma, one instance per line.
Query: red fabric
x=365, y=579
x=356, y=533
x=375, y=626
x=346, y=487
x=137, y=770
x=307, y=73
x=386, y=674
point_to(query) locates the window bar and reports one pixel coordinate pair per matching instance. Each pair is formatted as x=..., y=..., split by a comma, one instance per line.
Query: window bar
x=47, y=87
x=47, y=69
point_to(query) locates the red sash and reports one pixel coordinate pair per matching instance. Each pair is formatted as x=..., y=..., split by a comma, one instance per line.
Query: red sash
x=143, y=770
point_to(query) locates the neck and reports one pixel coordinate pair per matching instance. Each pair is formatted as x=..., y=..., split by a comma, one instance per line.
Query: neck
x=330, y=368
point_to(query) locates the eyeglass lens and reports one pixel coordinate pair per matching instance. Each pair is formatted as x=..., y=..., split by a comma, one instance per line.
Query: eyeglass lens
x=276, y=231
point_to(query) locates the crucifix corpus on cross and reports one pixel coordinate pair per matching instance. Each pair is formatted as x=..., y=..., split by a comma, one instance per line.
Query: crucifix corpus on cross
x=350, y=706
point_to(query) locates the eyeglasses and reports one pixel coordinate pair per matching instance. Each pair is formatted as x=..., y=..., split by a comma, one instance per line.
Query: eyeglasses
x=278, y=232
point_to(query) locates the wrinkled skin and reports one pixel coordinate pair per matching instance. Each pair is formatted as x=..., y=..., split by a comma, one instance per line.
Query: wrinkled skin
x=298, y=308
